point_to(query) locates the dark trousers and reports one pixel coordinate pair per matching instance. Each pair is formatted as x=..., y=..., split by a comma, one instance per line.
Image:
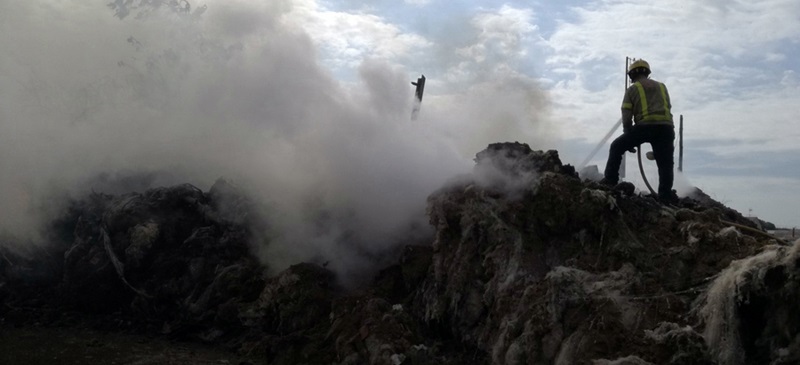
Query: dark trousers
x=661, y=137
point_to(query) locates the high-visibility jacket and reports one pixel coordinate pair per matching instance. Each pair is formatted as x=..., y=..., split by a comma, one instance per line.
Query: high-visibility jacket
x=649, y=101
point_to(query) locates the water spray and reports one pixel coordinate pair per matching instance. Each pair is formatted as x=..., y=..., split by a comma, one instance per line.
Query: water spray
x=601, y=144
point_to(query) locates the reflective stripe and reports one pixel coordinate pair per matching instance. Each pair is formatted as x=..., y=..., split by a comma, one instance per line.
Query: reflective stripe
x=628, y=106
x=646, y=116
x=643, y=99
x=664, y=97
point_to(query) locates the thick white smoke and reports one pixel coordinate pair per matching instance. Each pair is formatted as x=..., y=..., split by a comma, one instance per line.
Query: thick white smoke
x=232, y=90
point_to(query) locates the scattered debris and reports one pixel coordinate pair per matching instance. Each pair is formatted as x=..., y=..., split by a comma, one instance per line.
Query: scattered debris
x=529, y=264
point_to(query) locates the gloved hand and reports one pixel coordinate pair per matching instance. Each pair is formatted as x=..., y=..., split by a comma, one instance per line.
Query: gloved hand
x=627, y=128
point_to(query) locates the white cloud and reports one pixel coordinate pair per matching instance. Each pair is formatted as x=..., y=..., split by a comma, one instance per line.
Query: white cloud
x=347, y=39
x=774, y=57
x=504, y=33
x=701, y=57
x=790, y=80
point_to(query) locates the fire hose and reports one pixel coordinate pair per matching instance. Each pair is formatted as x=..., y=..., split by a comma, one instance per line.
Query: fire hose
x=737, y=225
x=647, y=183
x=603, y=142
x=641, y=168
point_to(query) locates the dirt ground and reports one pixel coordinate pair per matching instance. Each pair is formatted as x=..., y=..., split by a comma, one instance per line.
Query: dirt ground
x=68, y=346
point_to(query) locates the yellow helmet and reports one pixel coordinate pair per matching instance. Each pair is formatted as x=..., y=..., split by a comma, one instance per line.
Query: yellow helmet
x=639, y=66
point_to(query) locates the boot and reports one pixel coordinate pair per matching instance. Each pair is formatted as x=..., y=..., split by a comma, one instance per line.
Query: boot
x=669, y=198
x=608, y=182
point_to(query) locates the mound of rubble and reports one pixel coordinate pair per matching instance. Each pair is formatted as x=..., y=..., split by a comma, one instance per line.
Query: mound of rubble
x=529, y=265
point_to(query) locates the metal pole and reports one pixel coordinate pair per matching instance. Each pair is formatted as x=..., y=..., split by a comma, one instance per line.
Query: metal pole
x=680, y=146
x=627, y=64
x=623, y=165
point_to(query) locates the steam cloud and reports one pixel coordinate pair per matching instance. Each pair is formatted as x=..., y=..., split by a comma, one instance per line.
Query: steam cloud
x=235, y=92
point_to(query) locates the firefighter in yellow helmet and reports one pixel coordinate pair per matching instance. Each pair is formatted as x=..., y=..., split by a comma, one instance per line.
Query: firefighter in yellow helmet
x=646, y=117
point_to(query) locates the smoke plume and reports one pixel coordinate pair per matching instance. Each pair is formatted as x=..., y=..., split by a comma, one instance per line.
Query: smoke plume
x=122, y=97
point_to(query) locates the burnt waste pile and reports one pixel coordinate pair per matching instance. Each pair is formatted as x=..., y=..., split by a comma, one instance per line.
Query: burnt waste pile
x=529, y=265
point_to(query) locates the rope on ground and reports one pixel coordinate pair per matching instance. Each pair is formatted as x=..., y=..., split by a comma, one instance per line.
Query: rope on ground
x=756, y=231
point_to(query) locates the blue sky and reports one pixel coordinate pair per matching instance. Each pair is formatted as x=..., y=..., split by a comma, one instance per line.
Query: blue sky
x=731, y=67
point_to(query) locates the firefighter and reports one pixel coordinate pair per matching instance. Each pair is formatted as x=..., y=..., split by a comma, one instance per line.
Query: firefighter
x=646, y=117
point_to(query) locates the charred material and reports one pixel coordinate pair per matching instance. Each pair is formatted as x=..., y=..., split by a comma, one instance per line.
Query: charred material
x=529, y=265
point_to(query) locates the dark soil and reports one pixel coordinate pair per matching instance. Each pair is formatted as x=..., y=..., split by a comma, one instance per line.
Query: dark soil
x=76, y=345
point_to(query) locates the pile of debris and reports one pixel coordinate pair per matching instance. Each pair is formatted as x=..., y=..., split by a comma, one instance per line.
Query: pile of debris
x=529, y=265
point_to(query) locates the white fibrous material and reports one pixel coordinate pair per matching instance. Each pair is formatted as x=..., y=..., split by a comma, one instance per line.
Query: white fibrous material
x=717, y=307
